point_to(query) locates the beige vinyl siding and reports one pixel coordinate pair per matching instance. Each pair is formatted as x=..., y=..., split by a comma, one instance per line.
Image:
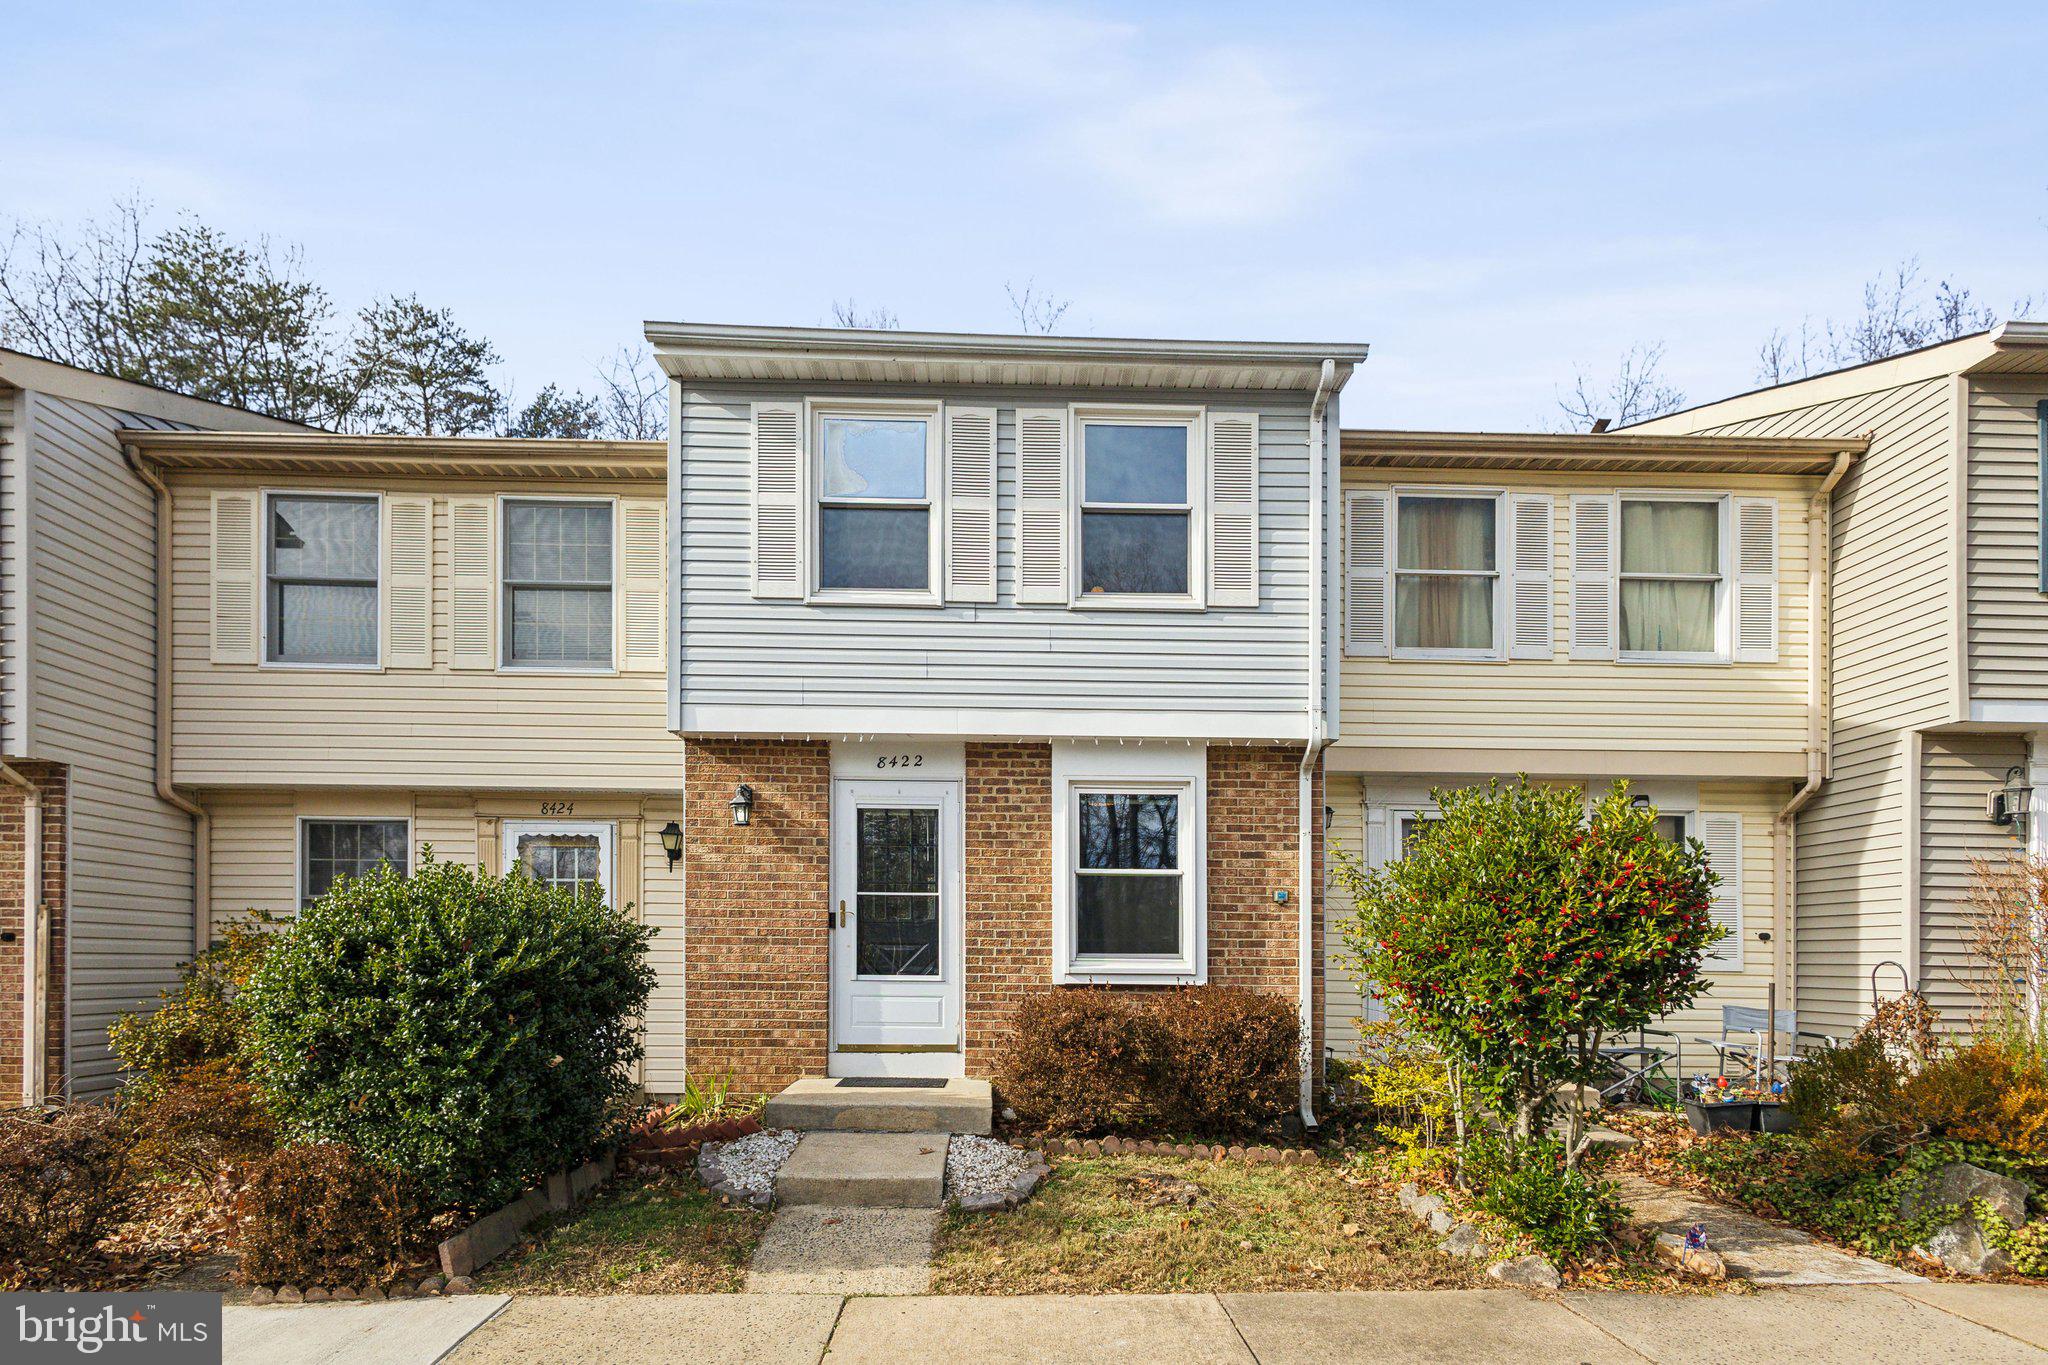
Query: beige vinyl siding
x=1558, y=708
x=92, y=565
x=1957, y=771
x=2008, y=613
x=273, y=726
x=1894, y=624
x=1343, y=1002
x=255, y=867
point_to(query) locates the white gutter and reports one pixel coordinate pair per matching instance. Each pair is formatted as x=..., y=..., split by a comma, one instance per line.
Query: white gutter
x=1820, y=523
x=35, y=973
x=1318, y=738
x=202, y=823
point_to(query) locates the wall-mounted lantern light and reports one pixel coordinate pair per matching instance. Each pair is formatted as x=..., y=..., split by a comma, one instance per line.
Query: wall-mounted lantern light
x=742, y=805
x=2009, y=803
x=1639, y=801
x=672, y=841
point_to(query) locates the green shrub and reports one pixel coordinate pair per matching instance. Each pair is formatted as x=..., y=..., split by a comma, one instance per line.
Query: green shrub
x=1084, y=1061
x=204, y=1018
x=64, y=1184
x=1851, y=1102
x=1989, y=1092
x=1406, y=1089
x=1203, y=1059
x=474, y=1031
x=1566, y=1211
x=207, y=1122
x=319, y=1214
x=1232, y=1060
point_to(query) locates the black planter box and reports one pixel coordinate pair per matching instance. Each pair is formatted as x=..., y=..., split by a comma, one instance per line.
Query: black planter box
x=1736, y=1116
x=1773, y=1117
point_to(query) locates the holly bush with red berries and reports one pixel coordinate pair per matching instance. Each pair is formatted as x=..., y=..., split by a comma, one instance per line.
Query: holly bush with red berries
x=1517, y=932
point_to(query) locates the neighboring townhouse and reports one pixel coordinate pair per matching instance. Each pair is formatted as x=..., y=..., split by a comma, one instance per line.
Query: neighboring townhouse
x=998, y=666
x=95, y=857
x=1583, y=608
x=388, y=645
x=1940, y=643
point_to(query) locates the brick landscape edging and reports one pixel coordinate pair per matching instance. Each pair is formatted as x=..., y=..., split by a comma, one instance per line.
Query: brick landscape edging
x=1200, y=1151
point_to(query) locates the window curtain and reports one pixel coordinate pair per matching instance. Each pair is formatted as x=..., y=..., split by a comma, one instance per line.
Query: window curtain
x=1669, y=615
x=1439, y=611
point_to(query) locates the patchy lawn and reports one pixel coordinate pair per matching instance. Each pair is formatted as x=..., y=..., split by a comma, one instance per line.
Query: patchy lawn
x=662, y=1234
x=1099, y=1226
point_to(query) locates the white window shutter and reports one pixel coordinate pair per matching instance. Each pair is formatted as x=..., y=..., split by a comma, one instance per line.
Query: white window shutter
x=1595, y=537
x=970, y=504
x=643, y=570
x=1233, y=509
x=1756, y=580
x=1367, y=582
x=408, y=582
x=236, y=579
x=1721, y=833
x=778, y=499
x=473, y=590
x=1531, y=553
x=1042, y=505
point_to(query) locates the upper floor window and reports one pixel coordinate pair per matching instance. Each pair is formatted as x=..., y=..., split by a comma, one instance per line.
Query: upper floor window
x=875, y=504
x=1137, y=509
x=332, y=849
x=558, y=584
x=1670, y=580
x=321, y=564
x=1446, y=557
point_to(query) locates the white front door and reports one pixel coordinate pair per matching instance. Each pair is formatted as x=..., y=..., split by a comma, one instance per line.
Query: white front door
x=896, y=931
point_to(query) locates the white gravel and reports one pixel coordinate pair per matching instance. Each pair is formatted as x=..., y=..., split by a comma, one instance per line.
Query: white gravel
x=982, y=1166
x=749, y=1164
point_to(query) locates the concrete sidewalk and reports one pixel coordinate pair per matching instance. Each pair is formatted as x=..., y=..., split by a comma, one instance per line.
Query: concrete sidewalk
x=1961, y=1324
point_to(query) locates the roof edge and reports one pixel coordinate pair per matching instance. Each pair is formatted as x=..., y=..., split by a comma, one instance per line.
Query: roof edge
x=39, y=374
x=853, y=341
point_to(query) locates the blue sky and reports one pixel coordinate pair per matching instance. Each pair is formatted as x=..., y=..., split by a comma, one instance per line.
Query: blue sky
x=1491, y=196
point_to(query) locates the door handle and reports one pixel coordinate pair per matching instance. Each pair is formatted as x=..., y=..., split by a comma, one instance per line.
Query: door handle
x=842, y=914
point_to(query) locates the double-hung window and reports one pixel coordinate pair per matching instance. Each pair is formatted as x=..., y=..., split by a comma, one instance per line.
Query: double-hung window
x=332, y=849
x=558, y=584
x=1671, y=578
x=875, y=524
x=320, y=561
x=574, y=856
x=1128, y=864
x=1137, y=508
x=1447, y=574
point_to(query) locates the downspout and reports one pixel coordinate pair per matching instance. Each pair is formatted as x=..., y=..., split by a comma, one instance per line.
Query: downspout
x=202, y=823
x=35, y=953
x=1318, y=738
x=1820, y=522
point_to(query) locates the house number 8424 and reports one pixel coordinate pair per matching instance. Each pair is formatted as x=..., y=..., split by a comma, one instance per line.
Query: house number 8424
x=558, y=808
x=900, y=761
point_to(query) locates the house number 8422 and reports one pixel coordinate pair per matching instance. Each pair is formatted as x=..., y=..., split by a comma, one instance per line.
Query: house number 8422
x=900, y=761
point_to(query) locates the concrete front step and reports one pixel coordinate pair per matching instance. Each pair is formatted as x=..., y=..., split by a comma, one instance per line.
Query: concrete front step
x=865, y=1170
x=827, y=1104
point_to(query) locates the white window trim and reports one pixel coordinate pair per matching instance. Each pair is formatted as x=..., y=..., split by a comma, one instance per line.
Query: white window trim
x=607, y=833
x=1723, y=651
x=816, y=410
x=1079, y=417
x=264, y=499
x=299, y=845
x=1177, y=769
x=1502, y=546
x=501, y=616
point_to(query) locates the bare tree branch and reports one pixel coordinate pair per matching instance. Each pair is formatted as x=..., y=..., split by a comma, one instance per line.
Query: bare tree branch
x=875, y=319
x=1636, y=393
x=1036, y=311
x=632, y=396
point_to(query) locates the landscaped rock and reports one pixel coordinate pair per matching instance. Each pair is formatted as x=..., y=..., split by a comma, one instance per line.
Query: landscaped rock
x=985, y=1174
x=745, y=1168
x=462, y=1284
x=373, y=1295
x=433, y=1284
x=1963, y=1250
x=290, y=1294
x=262, y=1294
x=1407, y=1195
x=403, y=1290
x=1466, y=1240
x=1421, y=1209
x=1672, y=1250
x=1441, y=1222
x=317, y=1295
x=1958, y=1183
x=1526, y=1272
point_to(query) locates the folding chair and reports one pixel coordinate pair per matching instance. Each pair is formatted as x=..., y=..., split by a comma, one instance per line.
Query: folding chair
x=1742, y=1038
x=1637, y=1065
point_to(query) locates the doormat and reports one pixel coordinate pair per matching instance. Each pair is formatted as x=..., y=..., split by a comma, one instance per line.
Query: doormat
x=890, y=1083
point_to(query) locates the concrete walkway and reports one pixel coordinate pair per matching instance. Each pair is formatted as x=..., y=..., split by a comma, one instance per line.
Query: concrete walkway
x=401, y=1332
x=1756, y=1250
x=822, y=1249
x=1963, y=1324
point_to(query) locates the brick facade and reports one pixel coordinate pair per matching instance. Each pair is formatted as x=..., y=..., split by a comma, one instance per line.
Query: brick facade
x=50, y=778
x=757, y=969
x=756, y=977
